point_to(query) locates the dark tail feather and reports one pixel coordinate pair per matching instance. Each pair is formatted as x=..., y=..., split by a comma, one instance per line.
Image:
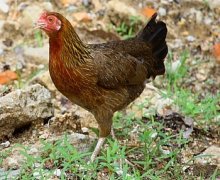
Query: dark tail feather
x=155, y=34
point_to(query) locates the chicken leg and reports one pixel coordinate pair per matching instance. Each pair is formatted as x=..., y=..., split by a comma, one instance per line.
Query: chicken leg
x=105, y=128
x=100, y=144
x=113, y=134
x=97, y=148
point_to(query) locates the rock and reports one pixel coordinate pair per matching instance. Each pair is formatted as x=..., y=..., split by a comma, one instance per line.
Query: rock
x=23, y=107
x=210, y=156
x=45, y=80
x=10, y=29
x=34, y=150
x=47, y=6
x=13, y=163
x=37, y=175
x=163, y=105
x=30, y=15
x=40, y=54
x=5, y=144
x=12, y=174
x=21, y=6
x=175, y=66
x=79, y=141
x=199, y=16
x=8, y=42
x=86, y=2
x=162, y=11
x=57, y=172
x=214, y=4
x=82, y=17
x=97, y=5
x=189, y=124
x=208, y=20
x=4, y=6
x=1, y=26
x=86, y=118
x=85, y=130
x=176, y=44
x=150, y=101
x=14, y=159
x=202, y=74
x=71, y=9
x=118, y=11
x=44, y=134
x=190, y=38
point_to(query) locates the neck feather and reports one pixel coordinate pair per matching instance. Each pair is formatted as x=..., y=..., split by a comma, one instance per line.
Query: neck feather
x=67, y=45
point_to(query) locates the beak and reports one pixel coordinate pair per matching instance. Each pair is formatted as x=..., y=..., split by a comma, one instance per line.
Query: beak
x=39, y=25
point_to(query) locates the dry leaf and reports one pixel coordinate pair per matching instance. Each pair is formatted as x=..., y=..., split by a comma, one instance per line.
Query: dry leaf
x=82, y=17
x=148, y=12
x=216, y=52
x=7, y=76
x=68, y=2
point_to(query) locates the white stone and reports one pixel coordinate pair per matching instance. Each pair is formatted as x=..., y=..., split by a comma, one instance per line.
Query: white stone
x=85, y=129
x=5, y=144
x=175, y=66
x=4, y=6
x=190, y=38
x=162, y=11
x=36, y=175
x=57, y=172
x=208, y=20
x=11, y=174
x=1, y=51
x=199, y=16
x=165, y=151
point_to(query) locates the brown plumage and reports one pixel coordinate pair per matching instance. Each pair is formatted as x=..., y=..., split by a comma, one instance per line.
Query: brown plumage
x=103, y=78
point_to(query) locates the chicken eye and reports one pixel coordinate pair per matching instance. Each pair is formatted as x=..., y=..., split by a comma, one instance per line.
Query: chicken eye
x=50, y=19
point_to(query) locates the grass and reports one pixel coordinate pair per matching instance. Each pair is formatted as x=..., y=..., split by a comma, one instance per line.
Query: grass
x=206, y=2
x=4, y=154
x=58, y=155
x=148, y=157
x=38, y=38
x=128, y=29
x=24, y=82
x=205, y=108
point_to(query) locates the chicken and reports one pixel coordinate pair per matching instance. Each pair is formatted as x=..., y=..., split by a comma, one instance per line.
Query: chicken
x=103, y=78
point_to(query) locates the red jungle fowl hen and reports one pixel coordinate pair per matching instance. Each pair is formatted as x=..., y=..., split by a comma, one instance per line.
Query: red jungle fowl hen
x=103, y=78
